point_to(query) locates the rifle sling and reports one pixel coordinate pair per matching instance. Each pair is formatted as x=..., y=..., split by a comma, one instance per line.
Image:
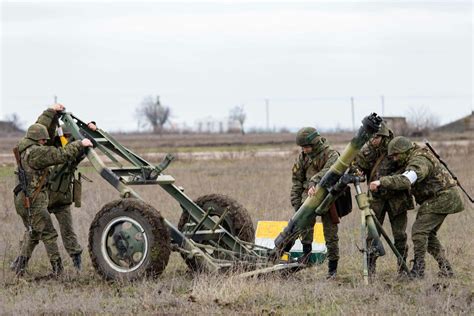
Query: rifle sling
x=375, y=167
x=40, y=186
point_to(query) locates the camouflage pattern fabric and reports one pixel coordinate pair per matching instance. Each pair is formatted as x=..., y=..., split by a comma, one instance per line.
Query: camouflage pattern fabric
x=398, y=223
x=307, y=171
x=35, y=159
x=66, y=228
x=41, y=224
x=424, y=237
x=435, y=191
x=60, y=190
x=49, y=118
x=432, y=180
x=374, y=163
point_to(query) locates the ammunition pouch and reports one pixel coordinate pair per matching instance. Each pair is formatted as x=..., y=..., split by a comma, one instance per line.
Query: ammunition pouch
x=344, y=202
x=62, y=182
x=77, y=191
x=60, y=186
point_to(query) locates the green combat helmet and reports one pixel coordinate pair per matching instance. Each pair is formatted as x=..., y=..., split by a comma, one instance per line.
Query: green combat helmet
x=37, y=132
x=306, y=136
x=399, y=145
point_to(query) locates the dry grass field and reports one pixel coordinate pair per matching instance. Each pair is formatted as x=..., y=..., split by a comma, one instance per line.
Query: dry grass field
x=262, y=185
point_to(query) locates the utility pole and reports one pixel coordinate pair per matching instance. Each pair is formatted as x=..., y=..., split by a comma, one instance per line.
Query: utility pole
x=353, y=114
x=267, y=114
x=383, y=105
x=55, y=99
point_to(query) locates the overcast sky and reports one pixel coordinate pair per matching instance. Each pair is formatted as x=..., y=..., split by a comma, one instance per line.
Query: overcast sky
x=101, y=58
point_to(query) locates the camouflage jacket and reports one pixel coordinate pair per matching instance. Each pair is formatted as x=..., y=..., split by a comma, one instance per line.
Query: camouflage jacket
x=36, y=158
x=61, y=176
x=432, y=180
x=374, y=163
x=308, y=170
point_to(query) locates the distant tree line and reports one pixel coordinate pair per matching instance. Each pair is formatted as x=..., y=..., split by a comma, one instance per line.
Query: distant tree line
x=151, y=113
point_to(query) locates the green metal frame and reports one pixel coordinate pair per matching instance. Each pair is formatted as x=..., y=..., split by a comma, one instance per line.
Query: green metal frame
x=207, y=236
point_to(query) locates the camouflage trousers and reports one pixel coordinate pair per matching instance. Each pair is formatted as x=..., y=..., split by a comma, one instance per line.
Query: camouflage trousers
x=330, y=236
x=398, y=223
x=68, y=236
x=424, y=231
x=41, y=224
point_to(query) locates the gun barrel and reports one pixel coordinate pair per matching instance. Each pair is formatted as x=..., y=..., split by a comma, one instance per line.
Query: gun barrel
x=306, y=213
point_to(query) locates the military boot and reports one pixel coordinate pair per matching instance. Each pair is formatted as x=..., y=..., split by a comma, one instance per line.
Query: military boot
x=445, y=269
x=306, y=256
x=418, y=269
x=77, y=261
x=20, y=265
x=332, y=269
x=57, y=266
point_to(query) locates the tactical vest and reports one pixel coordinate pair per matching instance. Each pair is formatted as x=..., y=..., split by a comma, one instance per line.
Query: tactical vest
x=60, y=184
x=436, y=181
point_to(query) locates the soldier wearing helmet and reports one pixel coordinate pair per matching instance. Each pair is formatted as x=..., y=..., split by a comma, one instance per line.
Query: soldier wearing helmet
x=373, y=162
x=434, y=190
x=60, y=190
x=315, y=158
x=36, y=158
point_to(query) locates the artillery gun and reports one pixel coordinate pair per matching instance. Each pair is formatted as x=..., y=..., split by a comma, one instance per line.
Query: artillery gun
x=129, y=239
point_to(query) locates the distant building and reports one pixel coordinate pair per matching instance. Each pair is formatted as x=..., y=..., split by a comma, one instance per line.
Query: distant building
x=398, y=124
x=8, y=127
x=464, y=124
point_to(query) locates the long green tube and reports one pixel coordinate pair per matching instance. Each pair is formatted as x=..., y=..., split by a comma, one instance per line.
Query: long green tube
x=305, y=215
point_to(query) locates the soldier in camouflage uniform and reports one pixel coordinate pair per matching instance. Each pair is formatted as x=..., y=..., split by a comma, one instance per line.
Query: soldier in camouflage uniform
x=434, y=190
x=374, y=163
x=312, y=163
x=36, y=158
x=60, y=190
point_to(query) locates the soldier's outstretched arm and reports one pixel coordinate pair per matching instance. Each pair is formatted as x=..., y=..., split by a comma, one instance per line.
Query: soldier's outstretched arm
x=416, y=171
x=48, y=118
x=45, y=156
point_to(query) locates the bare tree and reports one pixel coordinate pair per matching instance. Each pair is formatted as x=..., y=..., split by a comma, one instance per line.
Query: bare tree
x=153, y=113
x=237, y=114
x=421, y=120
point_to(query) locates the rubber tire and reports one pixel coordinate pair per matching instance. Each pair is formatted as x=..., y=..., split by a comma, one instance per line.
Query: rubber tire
x=238, y=221
x=153, y=224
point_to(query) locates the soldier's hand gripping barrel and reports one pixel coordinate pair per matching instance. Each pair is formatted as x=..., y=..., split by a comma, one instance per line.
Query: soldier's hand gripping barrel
x=306, y=213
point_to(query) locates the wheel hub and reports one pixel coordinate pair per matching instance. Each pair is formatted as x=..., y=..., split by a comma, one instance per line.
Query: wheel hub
x=124, y=244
